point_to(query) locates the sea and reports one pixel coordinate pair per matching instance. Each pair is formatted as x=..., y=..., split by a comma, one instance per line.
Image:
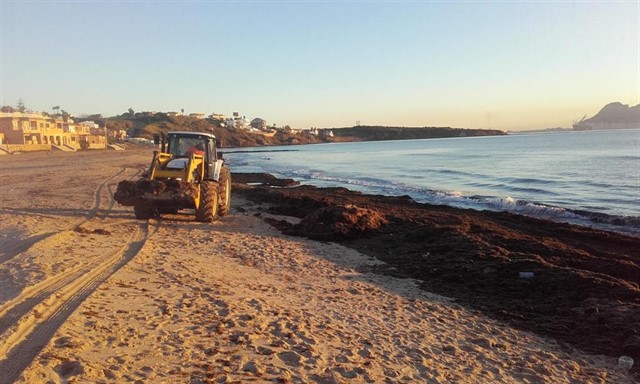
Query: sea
x=589, y=178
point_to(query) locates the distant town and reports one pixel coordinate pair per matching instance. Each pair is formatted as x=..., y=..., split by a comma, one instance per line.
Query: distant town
x=22, y=129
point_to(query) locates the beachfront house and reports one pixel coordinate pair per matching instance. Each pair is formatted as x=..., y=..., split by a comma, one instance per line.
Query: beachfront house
x=37, y=132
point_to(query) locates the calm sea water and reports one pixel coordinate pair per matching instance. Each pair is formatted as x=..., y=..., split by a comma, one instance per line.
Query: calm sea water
x=589, y=177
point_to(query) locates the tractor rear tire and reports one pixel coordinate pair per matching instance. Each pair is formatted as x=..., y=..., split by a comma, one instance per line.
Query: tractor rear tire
x=142, y=211
x=225, y=191
x=208, y=207
x=168, y=210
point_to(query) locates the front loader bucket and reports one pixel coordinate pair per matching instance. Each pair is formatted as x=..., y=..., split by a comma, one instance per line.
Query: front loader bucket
x=166, y=193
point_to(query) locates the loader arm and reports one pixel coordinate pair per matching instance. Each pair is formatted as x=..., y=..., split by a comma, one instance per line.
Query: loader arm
x=190, y=170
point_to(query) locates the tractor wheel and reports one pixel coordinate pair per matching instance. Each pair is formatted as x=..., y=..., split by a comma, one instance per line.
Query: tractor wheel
x=142, y=211
x=168, y=210
x=208, y=207
x=225, y=191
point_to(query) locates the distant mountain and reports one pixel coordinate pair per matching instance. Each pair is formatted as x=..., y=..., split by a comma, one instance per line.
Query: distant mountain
x=611, y=116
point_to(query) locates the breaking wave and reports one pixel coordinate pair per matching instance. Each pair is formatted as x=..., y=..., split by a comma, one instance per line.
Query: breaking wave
x=629, y=225
x=529, y=175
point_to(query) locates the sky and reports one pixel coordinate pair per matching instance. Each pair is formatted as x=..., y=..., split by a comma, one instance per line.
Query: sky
x=508, y=65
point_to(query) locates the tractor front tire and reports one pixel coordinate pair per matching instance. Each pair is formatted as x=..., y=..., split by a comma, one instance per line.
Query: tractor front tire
x=208, y=207
x=142, y=211
x=225, y=191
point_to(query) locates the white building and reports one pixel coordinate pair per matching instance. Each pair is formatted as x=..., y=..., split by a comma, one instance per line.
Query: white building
x=90, y=124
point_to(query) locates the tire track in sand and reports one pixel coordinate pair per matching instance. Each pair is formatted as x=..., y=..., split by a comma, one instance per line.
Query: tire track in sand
x=10, y=252
x=58, y=299
x=12, y=310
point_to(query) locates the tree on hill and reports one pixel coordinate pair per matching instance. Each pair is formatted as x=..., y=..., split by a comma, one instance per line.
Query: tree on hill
x=258, y=123
x=96, y=118
x=118, y=125
x=20, y=106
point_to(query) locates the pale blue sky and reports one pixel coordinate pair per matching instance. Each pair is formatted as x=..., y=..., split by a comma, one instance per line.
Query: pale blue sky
x=506, y=65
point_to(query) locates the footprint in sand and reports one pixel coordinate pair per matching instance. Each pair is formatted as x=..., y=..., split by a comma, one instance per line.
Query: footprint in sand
x=256, y=304
x=265, y=351
x=67, y=342
x=254, y=368
x=69, y=368
x=366, y=353
x=349, y=373
x=224, y=308
x=290, y=358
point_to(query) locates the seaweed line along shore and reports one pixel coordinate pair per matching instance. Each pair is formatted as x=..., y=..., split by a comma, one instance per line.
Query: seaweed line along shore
x=299, y=284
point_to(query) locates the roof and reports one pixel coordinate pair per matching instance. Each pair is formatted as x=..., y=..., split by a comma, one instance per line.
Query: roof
x=188, y=133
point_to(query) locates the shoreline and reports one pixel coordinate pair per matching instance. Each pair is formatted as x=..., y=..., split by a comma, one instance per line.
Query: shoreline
x=620, y=224
x=584, y=288
x=90, y=294
x=562, y=189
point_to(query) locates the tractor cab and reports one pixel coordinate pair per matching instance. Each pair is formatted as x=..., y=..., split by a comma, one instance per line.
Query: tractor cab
x=184, y=144
x=177, y=148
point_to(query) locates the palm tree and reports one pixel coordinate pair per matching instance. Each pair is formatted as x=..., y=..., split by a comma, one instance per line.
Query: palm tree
x=56, y=109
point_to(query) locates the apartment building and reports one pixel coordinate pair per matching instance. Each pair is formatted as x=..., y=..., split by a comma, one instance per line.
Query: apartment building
x=34, y=129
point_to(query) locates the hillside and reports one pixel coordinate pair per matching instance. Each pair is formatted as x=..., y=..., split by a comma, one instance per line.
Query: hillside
x=612, y=116
x=149, y=125
x=377, y=133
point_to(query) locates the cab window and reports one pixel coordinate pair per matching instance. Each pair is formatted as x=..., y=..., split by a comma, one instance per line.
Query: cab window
x=180, y=146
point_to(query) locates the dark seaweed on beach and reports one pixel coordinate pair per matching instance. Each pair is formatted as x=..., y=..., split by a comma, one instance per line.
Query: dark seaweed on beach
x=580, y=286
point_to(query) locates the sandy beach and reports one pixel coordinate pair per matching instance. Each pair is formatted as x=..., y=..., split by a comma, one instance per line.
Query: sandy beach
x=272, y=293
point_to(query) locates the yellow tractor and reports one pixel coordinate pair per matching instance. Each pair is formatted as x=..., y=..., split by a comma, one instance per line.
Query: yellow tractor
x=186, y=173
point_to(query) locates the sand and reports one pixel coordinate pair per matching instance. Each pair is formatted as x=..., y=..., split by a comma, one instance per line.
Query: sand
x=89, y=294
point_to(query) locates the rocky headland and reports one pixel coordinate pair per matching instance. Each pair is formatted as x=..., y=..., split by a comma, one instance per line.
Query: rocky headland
x=611, y=116
x=148, y=125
